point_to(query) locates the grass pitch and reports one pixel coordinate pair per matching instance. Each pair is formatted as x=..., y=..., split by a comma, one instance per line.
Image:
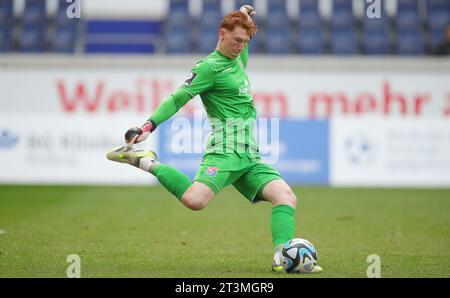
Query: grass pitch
x=145, y=232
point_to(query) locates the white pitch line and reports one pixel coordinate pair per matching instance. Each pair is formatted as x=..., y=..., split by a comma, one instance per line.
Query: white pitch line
x=2, y=232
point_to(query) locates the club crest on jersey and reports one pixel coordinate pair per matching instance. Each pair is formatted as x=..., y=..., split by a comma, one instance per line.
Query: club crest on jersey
x=212, y=171
x=189, y=79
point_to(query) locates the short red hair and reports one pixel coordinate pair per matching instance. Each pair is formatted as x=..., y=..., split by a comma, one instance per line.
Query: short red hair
x=237, y=18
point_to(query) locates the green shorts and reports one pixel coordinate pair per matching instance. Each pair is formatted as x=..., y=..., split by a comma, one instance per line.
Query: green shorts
x=249, y=177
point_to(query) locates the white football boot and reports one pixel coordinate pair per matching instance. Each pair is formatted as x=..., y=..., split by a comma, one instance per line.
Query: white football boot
x=315, y=269
x=143, y=159
x=279, y=261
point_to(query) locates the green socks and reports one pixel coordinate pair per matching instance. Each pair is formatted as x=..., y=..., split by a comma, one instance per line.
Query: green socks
x=173, y=180
x=283, y=216
x=282, y=224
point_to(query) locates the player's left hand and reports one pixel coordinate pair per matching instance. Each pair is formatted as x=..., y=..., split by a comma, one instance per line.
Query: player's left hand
x=248, y=10
x=136, y=135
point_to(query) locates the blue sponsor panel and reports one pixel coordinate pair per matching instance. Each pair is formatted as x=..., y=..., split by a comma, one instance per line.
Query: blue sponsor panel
x=181, y=143
x=303, y=156
x=298, y=149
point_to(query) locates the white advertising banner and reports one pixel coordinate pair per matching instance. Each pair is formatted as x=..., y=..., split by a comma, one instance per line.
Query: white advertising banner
x=289, y=94
x=389, y=126
x=47, y=148
x=412, y=153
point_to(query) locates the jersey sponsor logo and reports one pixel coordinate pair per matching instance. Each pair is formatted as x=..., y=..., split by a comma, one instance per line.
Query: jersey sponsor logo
x=189, y=79
x=245, y=89
x=212, y=171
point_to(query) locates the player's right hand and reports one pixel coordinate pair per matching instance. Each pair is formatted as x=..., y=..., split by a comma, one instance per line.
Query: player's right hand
x=136, y=134
x=248, y=10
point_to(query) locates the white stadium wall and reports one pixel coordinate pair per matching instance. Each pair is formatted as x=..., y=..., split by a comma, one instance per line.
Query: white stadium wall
x=54, y=148
x=387, y=120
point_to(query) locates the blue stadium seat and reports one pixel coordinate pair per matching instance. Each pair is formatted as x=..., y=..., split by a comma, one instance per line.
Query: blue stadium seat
x=309, y=19
x=121, y=26
x=376, y=39
x=35, y=13
x=435, y=38
x=178, y=18
x=306, y=5
x=278, y=42
x=61, y=18
x=258, y=43
x=383, y=13
x=6, y=12
x=410, y=43
x=66, y=30
x=122, y=36
x=278, y=20
x=64, y=39
x=407, y=5
x=376, y=24
x=239, y=3
x=276, y=6
x=408, y=20
x=376, y=43
x=63, y=4
x=178, y=41
x=210, y=20
x=344, y=43
x=32, y=39
x=212, y=5
x=438, y=4
x=6, y=25
x=178, y=5
x=342, y=20
x=5, y=39
x=207, y=41
x=120, y=48
x=342, y=5
x=438, y=19
x=311, y=42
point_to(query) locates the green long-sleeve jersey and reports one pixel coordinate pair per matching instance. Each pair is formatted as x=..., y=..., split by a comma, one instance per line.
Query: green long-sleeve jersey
x=224, y=88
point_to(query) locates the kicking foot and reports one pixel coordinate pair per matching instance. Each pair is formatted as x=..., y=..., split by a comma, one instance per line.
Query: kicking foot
x=143, y=159
x=315, y=269
x=279, y=262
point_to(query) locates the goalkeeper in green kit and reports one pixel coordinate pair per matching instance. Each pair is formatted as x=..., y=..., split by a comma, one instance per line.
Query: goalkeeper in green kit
x=231, y=155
